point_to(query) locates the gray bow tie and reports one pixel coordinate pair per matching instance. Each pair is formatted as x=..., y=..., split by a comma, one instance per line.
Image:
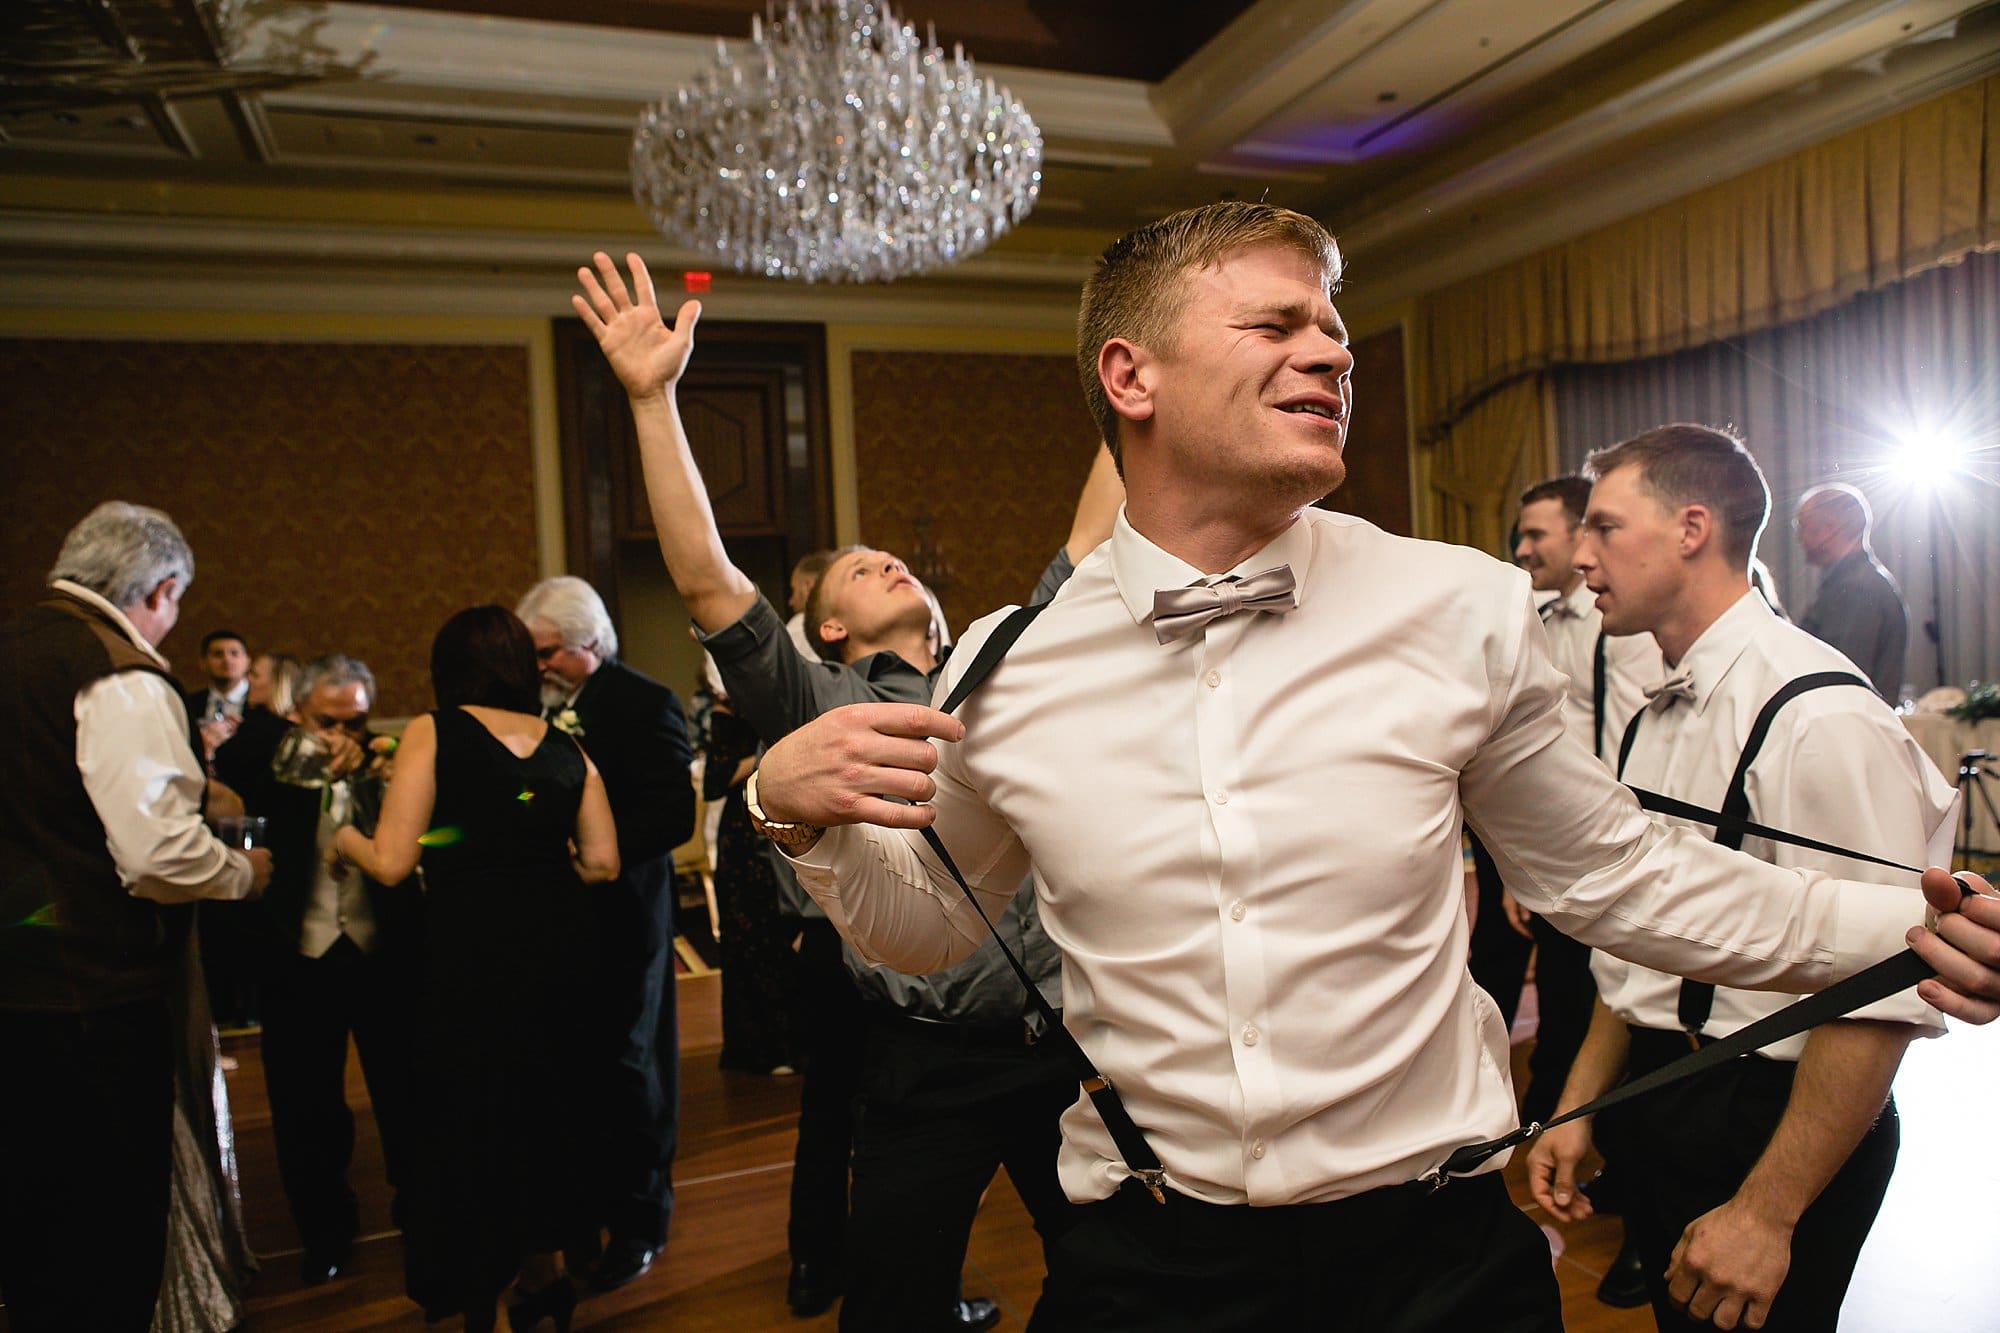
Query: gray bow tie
x=1560, y=608
x=1680, y=685
x=1179, y=612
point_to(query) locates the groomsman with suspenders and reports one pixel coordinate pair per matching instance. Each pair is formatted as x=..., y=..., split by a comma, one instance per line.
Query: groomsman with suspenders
x=1775, y=1161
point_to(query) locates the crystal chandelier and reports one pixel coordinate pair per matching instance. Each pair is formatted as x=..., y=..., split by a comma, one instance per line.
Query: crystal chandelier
x=841, y=147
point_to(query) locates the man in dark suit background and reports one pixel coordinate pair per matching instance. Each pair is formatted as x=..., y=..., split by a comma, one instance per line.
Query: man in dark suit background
x=634, y=730
x=217, y=707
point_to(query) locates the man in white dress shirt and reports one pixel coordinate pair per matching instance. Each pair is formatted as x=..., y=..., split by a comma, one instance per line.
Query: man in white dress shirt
x=102, y=855
x=1779, y=1160
x=1245, y=832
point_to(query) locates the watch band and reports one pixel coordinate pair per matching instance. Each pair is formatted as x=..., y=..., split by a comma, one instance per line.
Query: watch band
x=791, y=837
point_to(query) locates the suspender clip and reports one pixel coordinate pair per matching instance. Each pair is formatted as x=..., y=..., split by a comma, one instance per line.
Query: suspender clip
x=1155, y=1181
x=1435, y=1178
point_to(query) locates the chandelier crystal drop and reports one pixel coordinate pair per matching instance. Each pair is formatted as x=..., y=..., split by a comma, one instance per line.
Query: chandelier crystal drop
x=840, y=146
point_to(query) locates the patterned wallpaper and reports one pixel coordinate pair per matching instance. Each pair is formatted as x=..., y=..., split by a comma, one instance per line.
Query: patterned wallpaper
x=992, y=449
x=338, y=497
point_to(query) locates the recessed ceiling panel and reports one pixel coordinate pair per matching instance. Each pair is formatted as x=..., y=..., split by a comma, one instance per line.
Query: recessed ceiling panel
x=1418, y=75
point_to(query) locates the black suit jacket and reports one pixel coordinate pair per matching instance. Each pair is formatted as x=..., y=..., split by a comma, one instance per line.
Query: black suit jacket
x=636, y=734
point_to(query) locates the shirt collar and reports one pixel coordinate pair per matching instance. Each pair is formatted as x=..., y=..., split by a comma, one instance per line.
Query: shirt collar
x=1715, y=650
x=1581, y=602
x=1140, y=569
x=83, y=594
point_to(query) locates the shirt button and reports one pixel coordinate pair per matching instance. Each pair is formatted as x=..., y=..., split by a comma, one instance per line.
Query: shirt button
x=1249, y=1036
x=1220, y=797
x=1257, y=1149
x=1212, y=679
x=1236, y=911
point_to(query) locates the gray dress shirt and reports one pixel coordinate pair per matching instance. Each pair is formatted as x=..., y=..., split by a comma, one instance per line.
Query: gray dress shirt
x=775, y=690
x=1859, y=611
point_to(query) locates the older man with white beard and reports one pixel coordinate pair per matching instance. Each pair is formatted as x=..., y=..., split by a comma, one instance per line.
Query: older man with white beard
x=634, y=730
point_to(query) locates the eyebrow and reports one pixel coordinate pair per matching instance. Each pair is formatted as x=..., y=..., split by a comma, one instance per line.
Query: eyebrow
x=1298, y=312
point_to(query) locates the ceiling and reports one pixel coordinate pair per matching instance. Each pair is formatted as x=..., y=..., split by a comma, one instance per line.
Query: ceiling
x=478, y=145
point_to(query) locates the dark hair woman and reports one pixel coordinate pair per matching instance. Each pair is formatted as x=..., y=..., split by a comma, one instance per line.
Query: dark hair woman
x=510, y=821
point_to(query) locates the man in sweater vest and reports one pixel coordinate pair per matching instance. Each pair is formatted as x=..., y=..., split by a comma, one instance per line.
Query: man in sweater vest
x=102, y=854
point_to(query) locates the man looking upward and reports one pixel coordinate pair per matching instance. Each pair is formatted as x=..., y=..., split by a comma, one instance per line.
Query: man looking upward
x=1244, y=825
x=952, y=1083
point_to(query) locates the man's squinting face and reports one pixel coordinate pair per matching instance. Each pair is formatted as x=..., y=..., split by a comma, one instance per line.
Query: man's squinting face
x=227, y=661
x=1629, y=553
x=1547, y=545
x=337, y=708
x=564, y=669
x=1257, y=389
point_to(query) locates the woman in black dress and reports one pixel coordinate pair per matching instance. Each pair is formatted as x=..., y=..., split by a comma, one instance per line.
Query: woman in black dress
x=511, y=821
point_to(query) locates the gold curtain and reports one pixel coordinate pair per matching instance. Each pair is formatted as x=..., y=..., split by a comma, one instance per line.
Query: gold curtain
x=1790, y=239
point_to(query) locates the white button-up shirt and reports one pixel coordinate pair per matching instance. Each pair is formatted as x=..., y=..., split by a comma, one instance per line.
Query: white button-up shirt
x=144, y=781
x=1311, y=769
x=1836, y=766
x=1631, y=663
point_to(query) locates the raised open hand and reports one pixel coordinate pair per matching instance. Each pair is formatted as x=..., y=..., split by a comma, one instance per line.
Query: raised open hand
x=644, y=353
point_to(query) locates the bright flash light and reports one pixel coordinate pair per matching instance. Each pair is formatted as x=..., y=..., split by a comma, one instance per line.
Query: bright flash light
x=1929, y=456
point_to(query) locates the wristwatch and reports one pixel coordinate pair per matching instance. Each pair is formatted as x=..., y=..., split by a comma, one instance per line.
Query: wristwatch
x=791, y=837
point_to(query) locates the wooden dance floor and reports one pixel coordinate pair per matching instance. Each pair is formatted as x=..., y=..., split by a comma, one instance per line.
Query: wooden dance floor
x=1928, y=1265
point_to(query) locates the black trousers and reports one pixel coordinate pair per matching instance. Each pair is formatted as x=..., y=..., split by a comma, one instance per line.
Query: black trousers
x=1397, y=1260
x=1684, y=1149
x=311, y=1007
x=830, y=1028
x=230, y=935
x=86, y=1120
x=1499, y=956
x=636, y=1056
x=1565, y=993
x=941, y=1110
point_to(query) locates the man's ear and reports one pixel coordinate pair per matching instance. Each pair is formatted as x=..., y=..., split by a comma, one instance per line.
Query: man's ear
x=1699, y=530
x=1125, y=369
x=832, y=631
x=166, y=590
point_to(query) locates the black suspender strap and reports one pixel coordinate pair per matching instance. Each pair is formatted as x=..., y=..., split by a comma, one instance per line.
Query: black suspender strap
x=1597, y=684
x=1877, y=982
x=1631, y=735
x=1732, y=825
x=1886, y=978
x=1131, y=1143
x=1697, y=998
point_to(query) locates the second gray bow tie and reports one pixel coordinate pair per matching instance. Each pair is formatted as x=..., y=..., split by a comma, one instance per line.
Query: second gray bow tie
x=1179, y=612
x=1680, y=685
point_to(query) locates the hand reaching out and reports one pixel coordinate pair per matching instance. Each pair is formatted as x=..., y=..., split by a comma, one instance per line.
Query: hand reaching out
x=644, y=353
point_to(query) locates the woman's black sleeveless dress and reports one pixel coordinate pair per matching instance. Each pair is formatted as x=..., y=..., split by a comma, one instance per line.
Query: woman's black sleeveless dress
x=504, y=987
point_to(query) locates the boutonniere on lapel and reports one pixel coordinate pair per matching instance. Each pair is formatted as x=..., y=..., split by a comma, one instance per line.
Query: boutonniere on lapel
x=568, y=723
